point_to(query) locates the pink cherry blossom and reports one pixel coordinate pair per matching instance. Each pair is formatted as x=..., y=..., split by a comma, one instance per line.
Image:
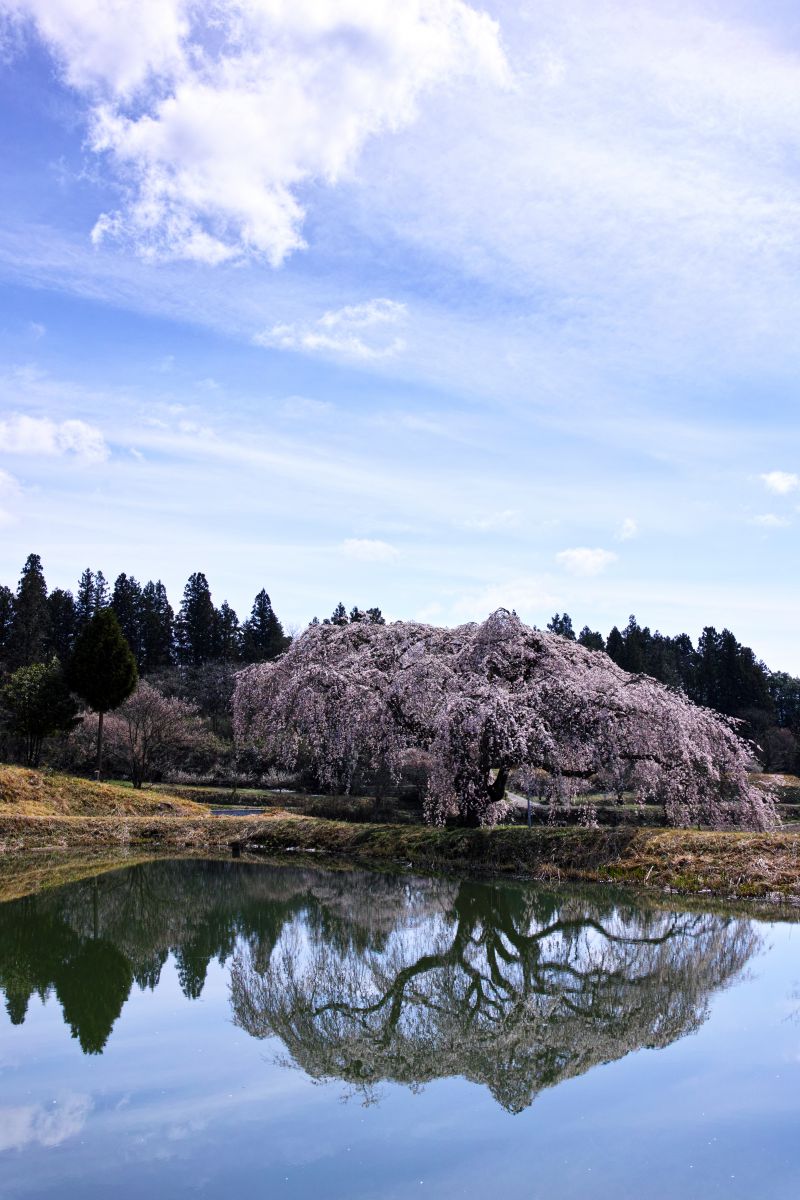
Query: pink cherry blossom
x=482, y=700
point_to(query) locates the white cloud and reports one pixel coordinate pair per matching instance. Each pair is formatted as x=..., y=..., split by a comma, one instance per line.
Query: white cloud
x=9, y=486
x=627, y=530
x=369, y=550
x=770, y=521
x=26, y=1125
x=527, y=595
x=585, y=561
x=781, y=482
x=36, y=330
x=359, y=331
x=508, y=518
x=41, y=436
x=9, y=491
x=216, y=115
x=302, y=408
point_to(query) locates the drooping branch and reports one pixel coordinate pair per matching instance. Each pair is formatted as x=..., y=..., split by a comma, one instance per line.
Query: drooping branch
x=482, y=700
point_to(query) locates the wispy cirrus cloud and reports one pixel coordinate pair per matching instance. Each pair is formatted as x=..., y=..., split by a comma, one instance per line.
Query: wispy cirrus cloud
x=359, y=331
x=770, y=521
x=305, y=408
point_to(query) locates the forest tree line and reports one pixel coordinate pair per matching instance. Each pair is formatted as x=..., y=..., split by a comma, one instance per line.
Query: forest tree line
x=179, y=717
x=717, y=671
x=191, y=656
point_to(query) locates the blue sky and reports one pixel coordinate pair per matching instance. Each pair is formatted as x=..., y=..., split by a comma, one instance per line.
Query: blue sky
x=430, y=306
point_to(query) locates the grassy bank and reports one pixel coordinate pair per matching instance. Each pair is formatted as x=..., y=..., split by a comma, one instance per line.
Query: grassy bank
x=42, y=814
x=28, y=793
x=740, y=865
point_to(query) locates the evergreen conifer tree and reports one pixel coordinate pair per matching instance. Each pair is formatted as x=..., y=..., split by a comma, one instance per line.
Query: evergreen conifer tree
x=196, y=627
x=102, y=669
x=591, y=640
x=615, y=647
x=30, y=630
x=157, y=627
x=63, y=622
x=6, y=622
x=126, y=601
x=561, y=624
x=338, y=616
x=263, y=633
x=228, y=639
x=91, y=596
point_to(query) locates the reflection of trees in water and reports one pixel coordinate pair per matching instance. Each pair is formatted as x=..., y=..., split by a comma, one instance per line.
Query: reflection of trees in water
x=513, y=988
x=88, y=942
x=367, y=977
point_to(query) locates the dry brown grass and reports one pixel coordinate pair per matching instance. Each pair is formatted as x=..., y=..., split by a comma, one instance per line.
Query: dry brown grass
x=40, y=812
x=27, y=793
x=762, y=866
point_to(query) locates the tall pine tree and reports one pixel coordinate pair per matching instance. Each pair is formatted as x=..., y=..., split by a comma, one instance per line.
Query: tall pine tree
x=196, y=627
x=126, y=601
x=228, y=637
x=263, y=633
x=91, y=596
x=6, y=622
x=63, y=622
x=31, y=627
x=157, y=628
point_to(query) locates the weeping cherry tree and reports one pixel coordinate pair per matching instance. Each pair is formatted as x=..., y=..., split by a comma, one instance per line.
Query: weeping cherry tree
x=481, y=701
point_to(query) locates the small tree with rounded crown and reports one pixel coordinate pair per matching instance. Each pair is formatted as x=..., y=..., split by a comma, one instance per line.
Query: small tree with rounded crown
x=102, y=669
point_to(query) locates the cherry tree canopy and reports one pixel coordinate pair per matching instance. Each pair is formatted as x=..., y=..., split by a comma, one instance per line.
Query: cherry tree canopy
x=482, y=700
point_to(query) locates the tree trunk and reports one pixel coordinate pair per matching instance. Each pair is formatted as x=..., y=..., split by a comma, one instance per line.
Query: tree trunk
x=99, y=767
x=497, y=789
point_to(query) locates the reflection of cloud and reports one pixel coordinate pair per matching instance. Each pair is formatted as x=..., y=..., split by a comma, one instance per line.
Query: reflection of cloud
x=33, y=1124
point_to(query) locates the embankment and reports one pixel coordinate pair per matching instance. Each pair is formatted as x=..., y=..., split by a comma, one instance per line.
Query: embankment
x=729, y=865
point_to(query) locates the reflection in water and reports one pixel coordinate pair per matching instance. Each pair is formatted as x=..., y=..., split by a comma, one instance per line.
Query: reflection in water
x=369, y=977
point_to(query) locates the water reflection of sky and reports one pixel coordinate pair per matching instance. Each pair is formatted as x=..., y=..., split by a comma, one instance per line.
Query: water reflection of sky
x=184, y=1102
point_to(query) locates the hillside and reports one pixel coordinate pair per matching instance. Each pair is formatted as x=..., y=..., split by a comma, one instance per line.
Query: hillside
x=28, y=793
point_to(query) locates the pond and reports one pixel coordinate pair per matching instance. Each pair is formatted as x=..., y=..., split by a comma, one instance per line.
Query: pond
x=181, y=1028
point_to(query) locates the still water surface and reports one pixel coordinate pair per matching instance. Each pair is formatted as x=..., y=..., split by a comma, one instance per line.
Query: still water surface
x=213, y=1029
